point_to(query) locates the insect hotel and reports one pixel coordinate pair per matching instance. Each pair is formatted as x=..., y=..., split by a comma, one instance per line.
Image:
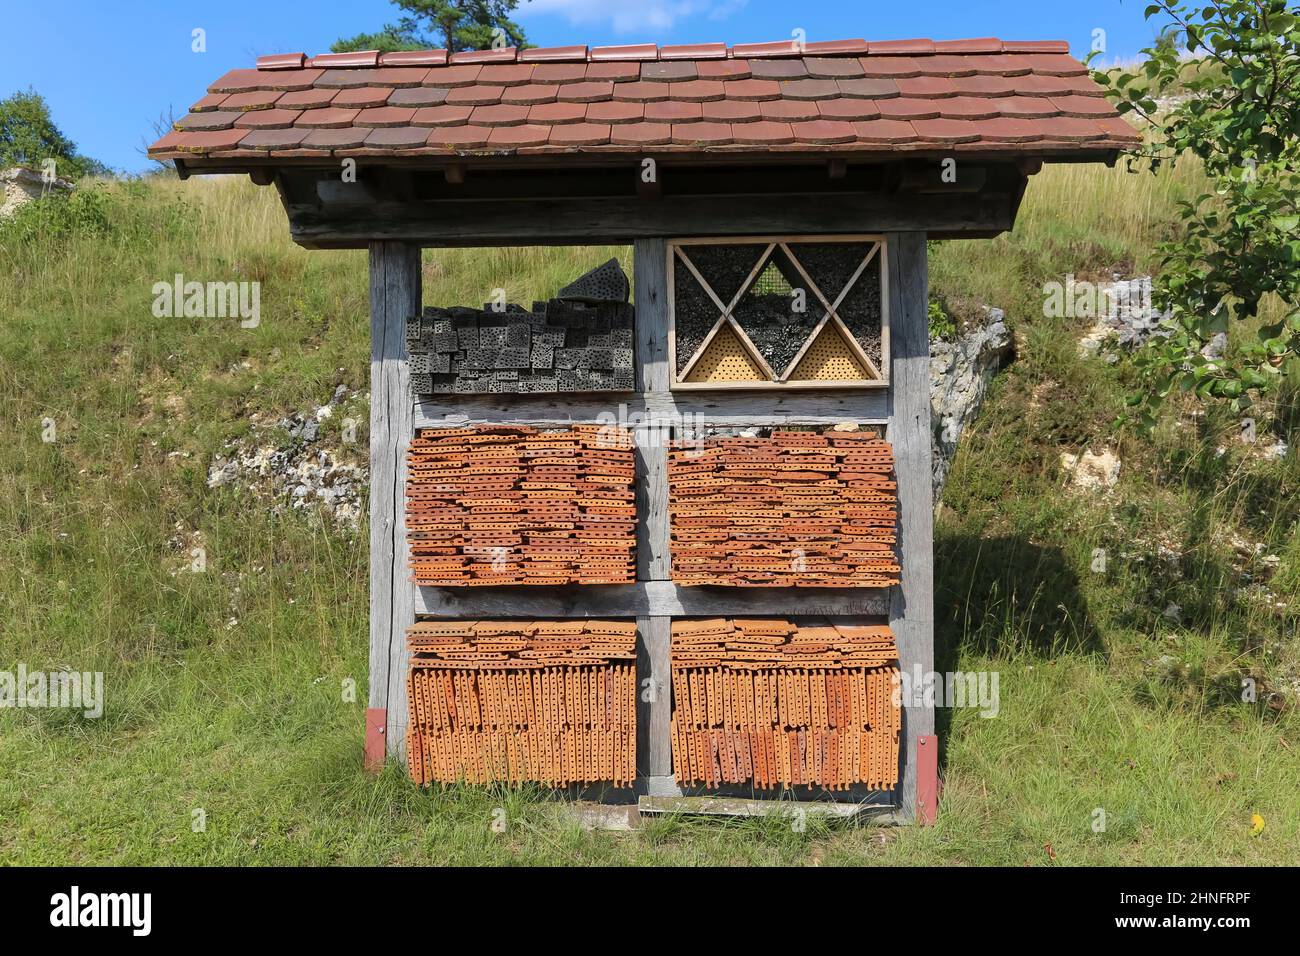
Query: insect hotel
x=667, y=538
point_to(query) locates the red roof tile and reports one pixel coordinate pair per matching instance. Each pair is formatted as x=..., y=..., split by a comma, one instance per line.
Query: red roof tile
x=580, y=134
x=282, y=61
x=531, y=93
x=268, y=119
x=305, y=99
x=559, y=72
x=635, y=51
x=502, y=55
x=723, y=69
x=421, y=96
x=346, y=60
x=694, y=51
x=553, y=54
x=443, y=115
x=789, y=110
x=414, y=58
x=327, y=118
x=255, y=100
x=855, y=96
x=363, y=98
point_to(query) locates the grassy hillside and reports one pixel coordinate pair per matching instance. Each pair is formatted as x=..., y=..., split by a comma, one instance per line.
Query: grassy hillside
x=224, y=688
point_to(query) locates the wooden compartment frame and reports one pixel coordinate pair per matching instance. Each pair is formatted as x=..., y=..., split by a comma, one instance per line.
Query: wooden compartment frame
x=878, y=256
x=901, y=409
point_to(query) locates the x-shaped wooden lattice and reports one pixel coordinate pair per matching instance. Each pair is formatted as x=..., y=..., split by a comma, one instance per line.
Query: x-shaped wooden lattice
x=726, y=317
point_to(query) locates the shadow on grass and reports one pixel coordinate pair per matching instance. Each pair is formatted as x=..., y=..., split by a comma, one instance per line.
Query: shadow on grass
x=1004, y=596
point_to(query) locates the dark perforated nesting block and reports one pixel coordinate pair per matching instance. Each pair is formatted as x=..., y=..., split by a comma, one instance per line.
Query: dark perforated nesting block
x=468, y=349
x=543, y=356
x=605, y=283
x=539, y=383
x=421, y=384
x=467, y=336
x=513, y=358
x=483, y=358
x=419, y=363
x=597, y=358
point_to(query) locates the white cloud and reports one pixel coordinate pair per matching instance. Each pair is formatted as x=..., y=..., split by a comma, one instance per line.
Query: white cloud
x=644, y=17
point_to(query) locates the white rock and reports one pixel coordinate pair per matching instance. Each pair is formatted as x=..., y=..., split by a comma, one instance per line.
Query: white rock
x=1092, y=472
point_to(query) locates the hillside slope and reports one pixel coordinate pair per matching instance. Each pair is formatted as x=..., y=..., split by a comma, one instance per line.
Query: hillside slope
x=228, y=688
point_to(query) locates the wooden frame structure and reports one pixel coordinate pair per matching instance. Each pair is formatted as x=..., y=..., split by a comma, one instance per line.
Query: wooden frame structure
x=903, y=411
x=382, y=213
x=780, y=380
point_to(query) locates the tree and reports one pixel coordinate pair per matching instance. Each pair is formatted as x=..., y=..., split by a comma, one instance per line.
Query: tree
x=452, y=25
x=28, y=137
x=1239, y=246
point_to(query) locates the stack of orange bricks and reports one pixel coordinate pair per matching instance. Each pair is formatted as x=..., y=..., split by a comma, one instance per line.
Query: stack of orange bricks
x=504, y=505
x=552, y=702
x=769, y=702
x=797, y=509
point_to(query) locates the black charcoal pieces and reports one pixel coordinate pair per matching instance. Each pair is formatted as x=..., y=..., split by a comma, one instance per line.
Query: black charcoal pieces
x=605, y=283
x=573, y=345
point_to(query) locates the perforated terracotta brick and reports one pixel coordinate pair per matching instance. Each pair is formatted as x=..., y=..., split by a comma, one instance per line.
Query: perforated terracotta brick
x=775, y=703
x=550, y=702
x=797, y=509
x=511, y=505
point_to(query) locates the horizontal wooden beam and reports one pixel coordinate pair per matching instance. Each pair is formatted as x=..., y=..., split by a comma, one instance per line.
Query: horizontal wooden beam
x=331, y=224
x=779, y=805
x=658, y=409
x=646, y=599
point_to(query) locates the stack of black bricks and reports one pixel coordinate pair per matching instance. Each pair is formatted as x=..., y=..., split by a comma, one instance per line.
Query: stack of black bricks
x=559, y=346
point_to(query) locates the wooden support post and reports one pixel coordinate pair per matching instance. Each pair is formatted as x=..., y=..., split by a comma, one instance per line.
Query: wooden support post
x=912, y=608
x=654, y=561
x=394, y=297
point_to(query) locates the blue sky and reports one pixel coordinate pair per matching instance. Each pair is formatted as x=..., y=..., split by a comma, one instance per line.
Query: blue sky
x=110, y=69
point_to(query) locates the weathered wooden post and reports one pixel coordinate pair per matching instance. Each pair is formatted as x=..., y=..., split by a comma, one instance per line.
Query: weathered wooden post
x=394, y=297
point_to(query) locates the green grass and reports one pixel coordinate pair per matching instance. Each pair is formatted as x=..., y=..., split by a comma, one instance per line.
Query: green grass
x=225, y=690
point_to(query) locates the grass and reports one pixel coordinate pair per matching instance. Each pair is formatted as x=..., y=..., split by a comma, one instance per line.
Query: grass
x=227, y=690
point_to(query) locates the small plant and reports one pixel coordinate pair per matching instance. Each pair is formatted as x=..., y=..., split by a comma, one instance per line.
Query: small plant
x=942, y=324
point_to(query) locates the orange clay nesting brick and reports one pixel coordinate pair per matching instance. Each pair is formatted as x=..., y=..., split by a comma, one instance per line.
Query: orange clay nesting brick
x=511, y=505
x=549, y=702
x=771, y=703
x=797, y=509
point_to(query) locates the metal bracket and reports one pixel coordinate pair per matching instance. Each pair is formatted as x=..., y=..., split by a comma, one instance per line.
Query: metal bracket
x=927, y=779
x=376, y=737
